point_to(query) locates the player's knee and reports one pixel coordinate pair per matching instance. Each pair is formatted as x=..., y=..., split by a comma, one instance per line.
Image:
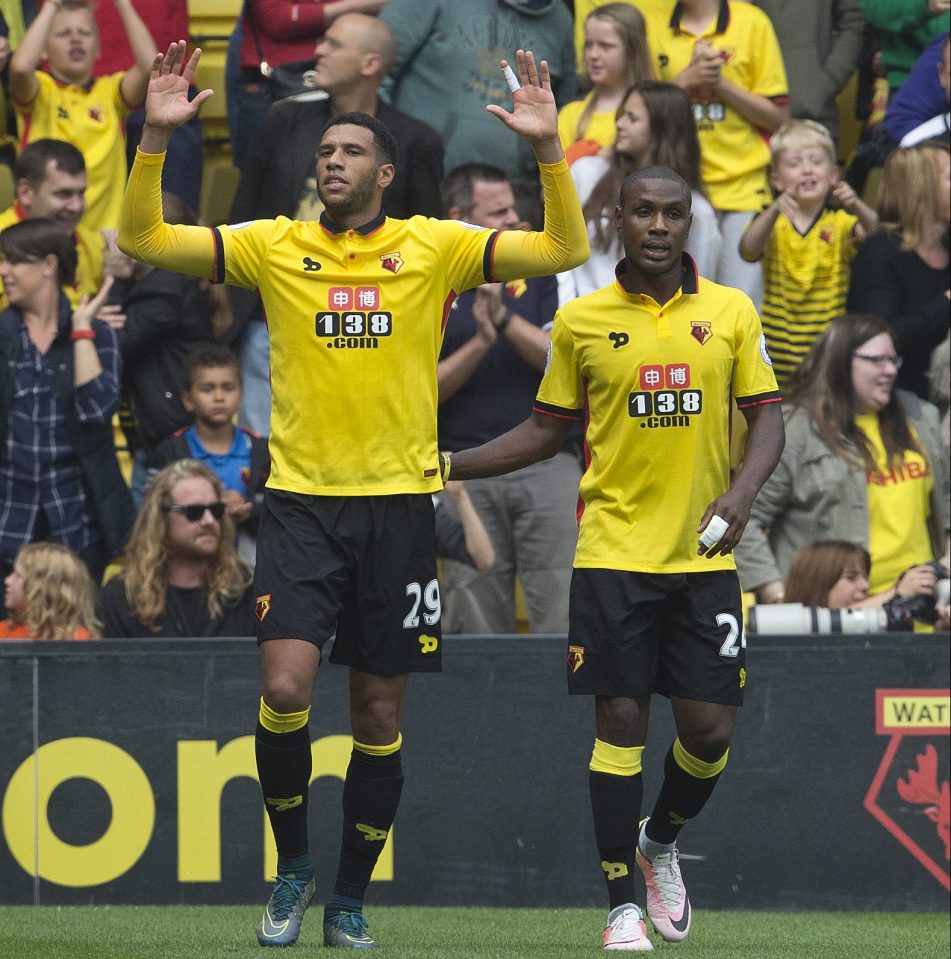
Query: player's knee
x=284, y=693
x=619, y=721
x=375, y=721
x=710, y=741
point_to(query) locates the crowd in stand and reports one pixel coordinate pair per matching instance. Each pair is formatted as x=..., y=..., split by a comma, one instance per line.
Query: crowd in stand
x=849, y=272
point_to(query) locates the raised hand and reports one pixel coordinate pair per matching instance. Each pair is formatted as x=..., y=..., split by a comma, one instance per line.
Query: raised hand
x=166, y=103
x=845, y=195
x=90, y=306
x=534, y=114
x=787, y=203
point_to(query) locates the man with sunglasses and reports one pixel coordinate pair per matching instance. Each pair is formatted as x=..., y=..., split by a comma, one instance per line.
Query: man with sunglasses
x=201, y=587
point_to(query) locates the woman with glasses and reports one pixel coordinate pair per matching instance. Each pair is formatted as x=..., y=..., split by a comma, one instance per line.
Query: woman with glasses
x=900, y=273
x=863, y=462
x=181, y=575
x=59, y=389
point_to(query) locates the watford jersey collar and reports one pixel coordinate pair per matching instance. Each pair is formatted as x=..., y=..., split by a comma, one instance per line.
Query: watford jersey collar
x=366, y=229
x=691, y=276
x=723, y=17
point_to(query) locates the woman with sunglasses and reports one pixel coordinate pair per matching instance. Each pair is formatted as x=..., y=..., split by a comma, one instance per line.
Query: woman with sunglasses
x=181, y=575
x=59, y=389
x=863, y=462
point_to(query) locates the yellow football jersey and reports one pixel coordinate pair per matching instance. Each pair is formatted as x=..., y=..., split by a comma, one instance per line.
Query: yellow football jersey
x=355, y=319
x=734, y=155
x=806, y=278
x=899, y=505
x=654, y=384
x=92, y=119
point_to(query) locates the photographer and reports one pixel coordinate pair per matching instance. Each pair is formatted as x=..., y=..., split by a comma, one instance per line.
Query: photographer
x=835, y=574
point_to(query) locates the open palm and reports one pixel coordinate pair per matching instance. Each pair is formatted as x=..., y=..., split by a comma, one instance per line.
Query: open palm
x=534, y=114
x=166, y=102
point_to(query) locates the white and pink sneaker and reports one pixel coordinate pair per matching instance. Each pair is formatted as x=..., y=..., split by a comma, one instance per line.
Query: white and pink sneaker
x=667, y=904
x=626, y=931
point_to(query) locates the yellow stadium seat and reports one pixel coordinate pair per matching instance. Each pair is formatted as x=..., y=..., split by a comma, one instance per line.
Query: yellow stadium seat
x=219, y=182
x=6, y=186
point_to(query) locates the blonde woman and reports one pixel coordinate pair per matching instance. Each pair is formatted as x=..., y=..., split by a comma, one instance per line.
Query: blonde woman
x=49, y=594
x=181, y=575
x=900, y=273
x=615, y=57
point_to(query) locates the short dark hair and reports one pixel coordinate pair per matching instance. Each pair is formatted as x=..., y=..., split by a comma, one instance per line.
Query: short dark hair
x=457, y=186
x=383, y=141
x=33, y=240
x=31, y=164
x=212, y=356
x=656, y=173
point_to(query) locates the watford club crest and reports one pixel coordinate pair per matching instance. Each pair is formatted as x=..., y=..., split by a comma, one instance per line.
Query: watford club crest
x=575, y=658
x=262, y=607
x=701, y=331
x=392, y=262
x=910, y=795
x=96, y=114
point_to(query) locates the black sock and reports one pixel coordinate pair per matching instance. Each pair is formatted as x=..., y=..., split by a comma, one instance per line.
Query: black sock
x=681, y=798
x=616, y=808
x=371, y=795
x=284, y=767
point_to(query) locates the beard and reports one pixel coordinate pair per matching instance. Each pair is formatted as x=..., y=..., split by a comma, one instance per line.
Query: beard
x=360, y=197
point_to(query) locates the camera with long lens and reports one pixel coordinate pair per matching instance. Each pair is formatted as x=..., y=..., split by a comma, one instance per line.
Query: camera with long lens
x=794, y=619
x=898, y=615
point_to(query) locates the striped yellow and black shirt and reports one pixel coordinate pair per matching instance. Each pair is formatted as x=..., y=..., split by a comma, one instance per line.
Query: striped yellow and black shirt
x=806, y=279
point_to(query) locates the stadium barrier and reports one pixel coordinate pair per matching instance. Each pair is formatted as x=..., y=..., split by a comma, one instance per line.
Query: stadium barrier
x=127, y=776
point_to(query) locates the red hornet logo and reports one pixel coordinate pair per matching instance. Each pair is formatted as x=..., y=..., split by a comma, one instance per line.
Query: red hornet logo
x=95, y=113
x=392, y=262
x=908, y=796
x=700, y=331
x=825, y=236
x=921, y=789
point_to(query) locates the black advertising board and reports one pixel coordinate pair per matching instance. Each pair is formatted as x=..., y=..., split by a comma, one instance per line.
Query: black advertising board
x=139, y=757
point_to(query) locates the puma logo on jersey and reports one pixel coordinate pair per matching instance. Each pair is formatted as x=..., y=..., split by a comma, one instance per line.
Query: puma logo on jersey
x=283, y=805
x=310, y=266
x=428, y=644
x=370, y=834
x=619, y=339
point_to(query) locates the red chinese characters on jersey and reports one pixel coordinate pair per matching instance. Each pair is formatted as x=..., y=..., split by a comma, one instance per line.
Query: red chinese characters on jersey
x=366, y=298
x=354, y=298
x=673, y=376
